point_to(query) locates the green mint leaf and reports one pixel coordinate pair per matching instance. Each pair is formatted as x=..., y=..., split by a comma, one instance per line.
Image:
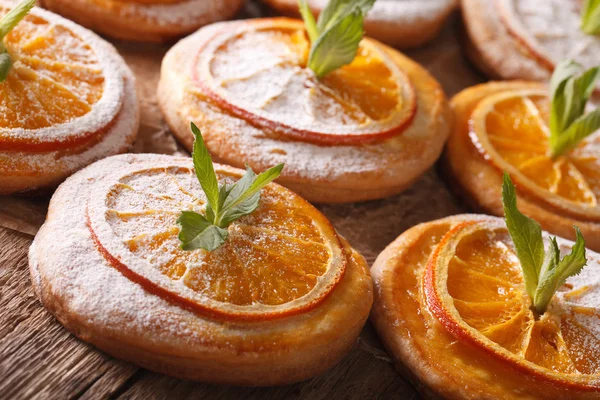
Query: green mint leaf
x=570, y=94
x=197, y=232
x=339, y=9
x=338, y=45
x=14, y=16
x=258, y=182
x=579, y=130
x=557, y=273
x=5, y=64
x=526, y=235
x=309, y=20
x=590, y=17
x=246, y=207
x=240, y=187
x=205, y=170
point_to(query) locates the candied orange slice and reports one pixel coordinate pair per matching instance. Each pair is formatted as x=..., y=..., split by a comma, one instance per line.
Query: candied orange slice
x=60, y=90
x=510, y=129
x=259, y=72
x=474, y=285
x=282, y=259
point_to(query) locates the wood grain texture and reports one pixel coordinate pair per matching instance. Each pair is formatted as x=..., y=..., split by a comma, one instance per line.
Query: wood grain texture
x=40, y=359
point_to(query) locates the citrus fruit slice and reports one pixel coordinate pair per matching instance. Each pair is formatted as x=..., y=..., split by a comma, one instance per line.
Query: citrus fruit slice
x=510, y=129
x=282, y=259
x=62, y=90
x=473, y=284
x=370, y=99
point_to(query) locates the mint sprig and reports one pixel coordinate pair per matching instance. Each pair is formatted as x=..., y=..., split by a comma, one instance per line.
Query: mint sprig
x=225, y=203
x=544, y=271
x=570, y=92
x=7, y=24
x=590, y=17
x=336, y=35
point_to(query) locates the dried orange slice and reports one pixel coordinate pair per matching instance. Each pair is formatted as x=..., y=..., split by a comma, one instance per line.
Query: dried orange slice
x=473, y=284
x=68, y=100
x=510, y=129
x=370, y=99
x=282, y=301
x=283, y=259
x=450, y=305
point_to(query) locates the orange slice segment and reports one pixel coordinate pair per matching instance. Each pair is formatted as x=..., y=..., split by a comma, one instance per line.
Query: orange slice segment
x=259, y=72
x=510, y=129
x=473, y=284
x=59, y=92
x=283, y=259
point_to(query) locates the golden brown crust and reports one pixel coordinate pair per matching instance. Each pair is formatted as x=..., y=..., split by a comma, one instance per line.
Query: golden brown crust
x=419, y=344
x=386, y=167
x=394, y=26
x=142, y=22
x=146, y=330
x=479, y=182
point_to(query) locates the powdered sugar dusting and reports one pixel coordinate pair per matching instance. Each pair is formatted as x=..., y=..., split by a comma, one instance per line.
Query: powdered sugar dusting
x=103, y=305
x=117, y=107
x=281, y=89
x=235, y=141
x=68, y=43
x=278, y=255
x=553, y=29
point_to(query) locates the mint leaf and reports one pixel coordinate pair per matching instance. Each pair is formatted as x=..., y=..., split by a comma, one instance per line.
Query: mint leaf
x=544, y=272
x=309, y=20
x=5, y=64
x=197, y=232
x=226, y=203
x=570, y=94
x=339, y=9
x=579, y=130
x=590, y=17
x=14, y=16
x=338, y=45
x=526, y=235
x=7, y=24
x=205, y=171
x=558, y=271
x=337, y=34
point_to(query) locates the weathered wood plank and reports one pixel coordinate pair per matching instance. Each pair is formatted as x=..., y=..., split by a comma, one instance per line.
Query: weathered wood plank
x=38, y=357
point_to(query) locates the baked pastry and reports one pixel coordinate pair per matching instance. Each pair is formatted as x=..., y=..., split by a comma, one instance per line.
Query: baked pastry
x=399, y=23
x=526, y=39
x=282, y=300
x=503, y=126
x=69, y=99
x=452, y=309
x=364, y=131
x=145, y=20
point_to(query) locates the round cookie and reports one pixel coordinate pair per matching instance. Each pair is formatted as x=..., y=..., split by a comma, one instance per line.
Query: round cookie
x=68, y=101
x=281, y=301
x=449, y=305
x=365, y=131
x=558, y=193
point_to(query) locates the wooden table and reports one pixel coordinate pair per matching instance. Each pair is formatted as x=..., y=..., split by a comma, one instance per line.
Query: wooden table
x=40, y=359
